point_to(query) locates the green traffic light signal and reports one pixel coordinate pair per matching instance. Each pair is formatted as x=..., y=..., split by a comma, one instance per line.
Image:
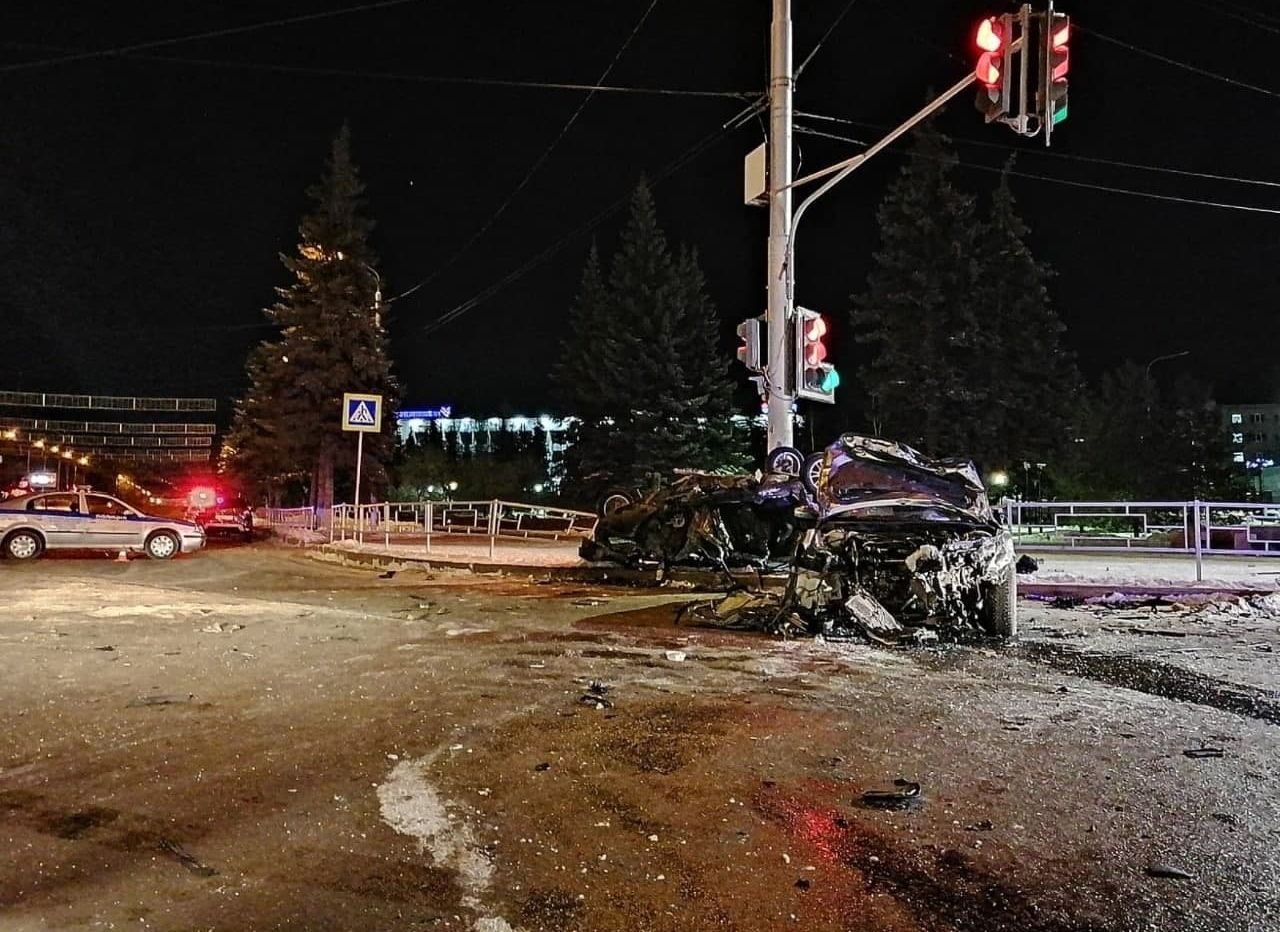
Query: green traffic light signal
x=831, y=381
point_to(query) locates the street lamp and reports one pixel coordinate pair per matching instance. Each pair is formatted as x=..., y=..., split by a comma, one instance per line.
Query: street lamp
x=1163, y=358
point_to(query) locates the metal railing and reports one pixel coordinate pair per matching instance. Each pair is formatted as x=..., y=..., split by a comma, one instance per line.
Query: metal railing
x=1249, y=529
x=304, y=518
x=490, y=519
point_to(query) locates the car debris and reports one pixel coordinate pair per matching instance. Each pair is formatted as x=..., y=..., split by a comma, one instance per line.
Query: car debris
x=702, y=519
x=904, y=795
x=889, y=547
x=1203, y=753
x=596, y=695
x=1168, y=872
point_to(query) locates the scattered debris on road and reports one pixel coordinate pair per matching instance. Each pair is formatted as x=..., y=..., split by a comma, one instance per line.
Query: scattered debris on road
x=904, y=795
x=1203, y=753
x=1168, y=872
x=186, y=859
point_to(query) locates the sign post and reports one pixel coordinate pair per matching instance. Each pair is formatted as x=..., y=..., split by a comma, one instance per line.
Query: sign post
x=362, y=414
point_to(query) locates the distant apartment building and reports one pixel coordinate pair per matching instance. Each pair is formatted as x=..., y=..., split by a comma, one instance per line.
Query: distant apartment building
x=1253, y=432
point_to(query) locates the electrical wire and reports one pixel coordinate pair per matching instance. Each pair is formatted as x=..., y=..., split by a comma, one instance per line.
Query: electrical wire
x=446, y=79
x=412, y=78
x=1062, y=156
x=537, y=163
x=825, y=36
x=1194, y=69
x=1111, y=189
x=196, y=37
x=679, y=162
x=1251, y=18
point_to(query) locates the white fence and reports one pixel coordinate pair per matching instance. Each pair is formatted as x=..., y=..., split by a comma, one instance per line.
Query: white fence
x=492, y=520
x=303, y=518
x=1249, y=529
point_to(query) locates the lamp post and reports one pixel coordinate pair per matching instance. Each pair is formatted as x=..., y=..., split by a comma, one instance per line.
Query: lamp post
x=1177, y=355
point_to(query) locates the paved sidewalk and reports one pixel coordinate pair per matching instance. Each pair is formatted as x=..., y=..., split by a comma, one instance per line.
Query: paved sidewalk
x=1148, y=573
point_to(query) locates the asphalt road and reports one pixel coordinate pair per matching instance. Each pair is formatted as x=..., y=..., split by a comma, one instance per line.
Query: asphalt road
x=248, y=739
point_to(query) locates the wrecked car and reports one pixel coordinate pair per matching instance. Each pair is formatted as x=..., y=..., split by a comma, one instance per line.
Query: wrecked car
x=880, y=542
x=707, y=520
x=902, y=541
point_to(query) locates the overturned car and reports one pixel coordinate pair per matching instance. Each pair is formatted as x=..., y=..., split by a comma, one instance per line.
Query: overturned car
x=707, y=520
x=879, y=541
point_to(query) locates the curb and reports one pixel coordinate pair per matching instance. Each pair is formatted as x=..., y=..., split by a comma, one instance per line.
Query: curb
x=584, y=573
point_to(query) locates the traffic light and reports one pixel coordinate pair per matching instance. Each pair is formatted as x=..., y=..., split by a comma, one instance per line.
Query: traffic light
x=749, y=349
x=993, y=69
x=1056, y=53
x=816, y=379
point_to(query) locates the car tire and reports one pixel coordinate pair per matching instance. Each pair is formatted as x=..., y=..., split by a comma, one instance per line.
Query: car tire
x=786, y=460
x=615, y=498
x=162, y=545
x=1000, y=606
x=23, y=545
x=812, y=470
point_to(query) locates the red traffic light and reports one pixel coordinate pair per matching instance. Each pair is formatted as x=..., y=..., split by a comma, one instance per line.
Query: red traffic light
x=815, y=329
x=990, y=41
x=1060, y=61
x=990, y=37
x=988, y=70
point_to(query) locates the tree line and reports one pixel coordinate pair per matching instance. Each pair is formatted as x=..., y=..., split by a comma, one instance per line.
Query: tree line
x=957, y=348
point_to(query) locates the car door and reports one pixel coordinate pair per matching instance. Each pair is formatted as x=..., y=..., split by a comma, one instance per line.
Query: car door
x=60, y=520
x=112, y=524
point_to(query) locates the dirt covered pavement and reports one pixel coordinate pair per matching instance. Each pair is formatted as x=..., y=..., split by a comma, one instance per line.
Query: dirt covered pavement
x=252, y=740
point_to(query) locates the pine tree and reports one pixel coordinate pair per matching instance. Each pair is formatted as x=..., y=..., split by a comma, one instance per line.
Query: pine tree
x=1030, y=379
x=331, y=340
x=641, y=367
x=918, y=321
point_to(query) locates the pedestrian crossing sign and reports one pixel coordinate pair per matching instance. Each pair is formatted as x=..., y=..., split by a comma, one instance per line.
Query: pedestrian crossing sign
x=362, y=413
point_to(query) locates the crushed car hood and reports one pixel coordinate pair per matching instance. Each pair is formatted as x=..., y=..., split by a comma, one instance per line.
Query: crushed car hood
x=868, y=477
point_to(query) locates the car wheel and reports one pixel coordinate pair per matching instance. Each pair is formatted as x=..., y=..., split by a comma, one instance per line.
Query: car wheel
x=613, y=499
x=23, y=545
x=162, y=546
x=811, y=472
x=1000, y=607
x=786, y=460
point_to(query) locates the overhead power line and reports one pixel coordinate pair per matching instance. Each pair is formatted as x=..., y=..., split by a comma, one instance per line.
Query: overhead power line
x=1111, y=189
x=1252, y=18
x=1044, y=153
x=196, y=37
x=537, y=163
x=516, y=83
x=446, y=78
x=1194, y=69
x=679, y=162
x=825, y=36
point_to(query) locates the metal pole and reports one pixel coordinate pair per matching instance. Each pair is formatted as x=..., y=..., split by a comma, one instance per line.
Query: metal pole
x=493, y=527
x=430, y=521
x=386, y=525
x=1199, y=546
x=359, y=462
x=778, y=386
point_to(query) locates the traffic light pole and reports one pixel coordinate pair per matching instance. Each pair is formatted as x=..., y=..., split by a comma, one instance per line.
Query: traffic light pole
x=780, y=395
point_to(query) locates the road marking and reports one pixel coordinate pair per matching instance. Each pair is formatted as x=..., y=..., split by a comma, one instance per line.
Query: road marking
x=413, y=807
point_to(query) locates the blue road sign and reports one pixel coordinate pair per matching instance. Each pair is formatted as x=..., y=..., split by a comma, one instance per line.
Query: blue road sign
x=362, y=413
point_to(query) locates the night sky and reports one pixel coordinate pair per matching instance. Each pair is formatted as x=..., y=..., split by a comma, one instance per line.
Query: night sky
x=144, y=198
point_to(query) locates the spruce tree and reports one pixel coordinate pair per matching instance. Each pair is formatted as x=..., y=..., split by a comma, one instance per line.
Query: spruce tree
x=1030, y=379
x=641, y=367
x=918, y=322
x=331, y=340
